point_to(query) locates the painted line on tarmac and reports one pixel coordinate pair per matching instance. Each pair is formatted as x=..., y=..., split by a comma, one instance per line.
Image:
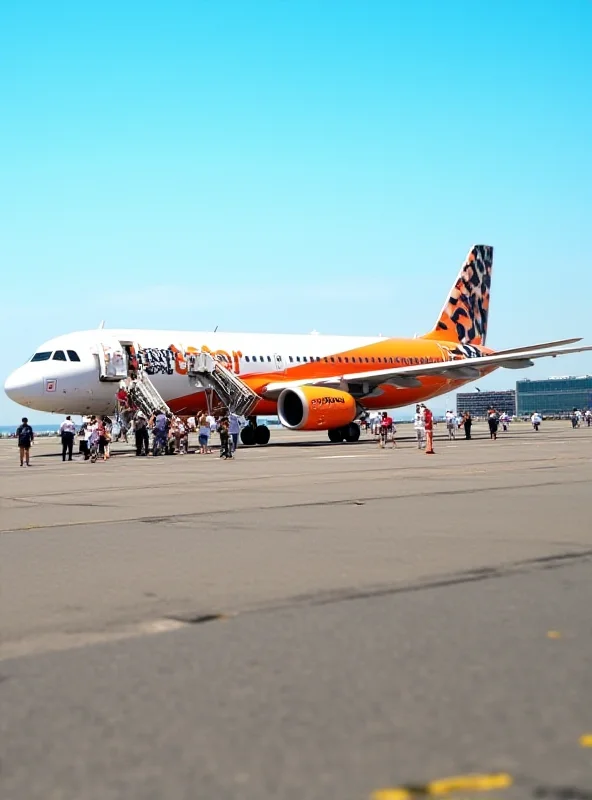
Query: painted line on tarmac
x=586, y=740
x=353, y=455
x=444, y=786
x=59, y=641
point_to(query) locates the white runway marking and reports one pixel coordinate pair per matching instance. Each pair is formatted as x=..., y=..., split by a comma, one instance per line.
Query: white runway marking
x=356, y=455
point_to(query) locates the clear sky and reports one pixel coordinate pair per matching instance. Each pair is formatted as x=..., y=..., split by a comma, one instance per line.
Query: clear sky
x=289, y=166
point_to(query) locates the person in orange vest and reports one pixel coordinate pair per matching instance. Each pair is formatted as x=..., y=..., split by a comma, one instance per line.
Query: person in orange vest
x=429, y=430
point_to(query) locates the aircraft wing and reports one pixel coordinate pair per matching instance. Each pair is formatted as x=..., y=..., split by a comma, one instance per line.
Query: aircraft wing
x=408, y=377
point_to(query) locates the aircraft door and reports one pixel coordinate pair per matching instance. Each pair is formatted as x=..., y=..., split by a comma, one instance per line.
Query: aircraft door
x=278, y=360
x=112, y=361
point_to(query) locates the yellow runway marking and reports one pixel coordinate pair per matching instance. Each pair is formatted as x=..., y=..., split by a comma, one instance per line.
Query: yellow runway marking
x=444, y=786
x=553, y=634
x=586, y=740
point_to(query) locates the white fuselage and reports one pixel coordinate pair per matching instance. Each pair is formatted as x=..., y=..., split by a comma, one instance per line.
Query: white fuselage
x=75, y=386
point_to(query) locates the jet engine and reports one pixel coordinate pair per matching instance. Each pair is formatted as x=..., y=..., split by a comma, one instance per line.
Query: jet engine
x=309, y=408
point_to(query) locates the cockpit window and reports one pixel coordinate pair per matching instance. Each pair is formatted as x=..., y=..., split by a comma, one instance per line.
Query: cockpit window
x=59, y=355
x=42, y=356
x=73, y=355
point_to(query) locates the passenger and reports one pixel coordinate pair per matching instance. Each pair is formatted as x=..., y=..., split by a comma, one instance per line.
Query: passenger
x=536, y=420
x=429, y=429
x=67, y=432
x=104, y=437
x=213, y=425
x=141, y=434
x=26, y=437
x=493, y=422
x=161, y=428
x=83, y=437
x=419, y=426
x=234, y=427
x=467, y=424
x=451, y=424
x=183, y=437
x=386, y=428
x=204, y=435
x=225, y=447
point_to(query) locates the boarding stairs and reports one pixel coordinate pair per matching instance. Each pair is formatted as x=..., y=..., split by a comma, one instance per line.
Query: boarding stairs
x=206, y=371
x=144, y=394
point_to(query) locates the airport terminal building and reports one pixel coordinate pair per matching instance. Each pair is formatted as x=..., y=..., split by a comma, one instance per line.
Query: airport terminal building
x=479, y=403
x=553, y=396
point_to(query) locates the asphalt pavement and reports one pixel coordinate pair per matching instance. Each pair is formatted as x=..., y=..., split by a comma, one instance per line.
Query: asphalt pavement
x=307, y=621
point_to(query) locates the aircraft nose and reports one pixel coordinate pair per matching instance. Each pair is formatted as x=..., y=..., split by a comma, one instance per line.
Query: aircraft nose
x=20, y=386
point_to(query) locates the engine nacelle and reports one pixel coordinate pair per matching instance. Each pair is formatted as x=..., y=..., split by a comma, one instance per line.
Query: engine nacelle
x=310, y=408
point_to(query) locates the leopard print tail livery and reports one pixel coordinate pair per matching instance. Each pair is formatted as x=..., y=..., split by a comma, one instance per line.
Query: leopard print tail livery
x=464, y=316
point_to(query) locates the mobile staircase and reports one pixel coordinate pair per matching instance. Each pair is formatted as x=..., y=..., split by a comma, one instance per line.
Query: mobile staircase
x=144, y=394
x=206, y=371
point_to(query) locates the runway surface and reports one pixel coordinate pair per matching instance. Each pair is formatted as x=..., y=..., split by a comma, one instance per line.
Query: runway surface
x=306, y=621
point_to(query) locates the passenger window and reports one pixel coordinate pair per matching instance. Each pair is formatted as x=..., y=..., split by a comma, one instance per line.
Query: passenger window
x=73, y=355
x=254, y=358
x=297, y=358
x=332, y=360
x=269, y=358
x=366, y=359
x=290, y=357
x=247, y=358
x=41, y=356
x=261, y=358
x=304, y=358
x=59, y=355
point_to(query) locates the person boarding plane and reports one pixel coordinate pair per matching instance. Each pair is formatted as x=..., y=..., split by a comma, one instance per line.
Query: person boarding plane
x=311, y=382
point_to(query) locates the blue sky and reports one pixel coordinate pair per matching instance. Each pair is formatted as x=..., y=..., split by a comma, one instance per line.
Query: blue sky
x=289, y=166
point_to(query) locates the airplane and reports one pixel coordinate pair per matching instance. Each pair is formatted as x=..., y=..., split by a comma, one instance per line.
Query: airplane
x=311, y=382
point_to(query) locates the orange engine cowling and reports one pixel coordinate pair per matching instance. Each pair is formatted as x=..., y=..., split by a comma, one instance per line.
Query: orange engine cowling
x=310, y=408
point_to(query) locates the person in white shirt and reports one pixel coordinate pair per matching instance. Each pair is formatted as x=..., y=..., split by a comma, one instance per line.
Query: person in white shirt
x=67, y=432
x=419, y=425
x=536, y=420
x=450, y=424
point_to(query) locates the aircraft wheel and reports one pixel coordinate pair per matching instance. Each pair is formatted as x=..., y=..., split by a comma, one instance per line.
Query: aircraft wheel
x=335, y=435
x=262, y=434
x=352, y=432
x=247, y=435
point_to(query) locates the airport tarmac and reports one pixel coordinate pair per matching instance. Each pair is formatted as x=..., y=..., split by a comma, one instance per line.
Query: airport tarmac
x=306, y=621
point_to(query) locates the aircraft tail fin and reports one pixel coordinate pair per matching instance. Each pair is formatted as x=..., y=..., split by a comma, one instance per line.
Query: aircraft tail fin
x=464, y=316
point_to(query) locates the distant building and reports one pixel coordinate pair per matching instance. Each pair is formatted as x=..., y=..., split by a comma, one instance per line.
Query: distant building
x=554, y=396
x=478, y=403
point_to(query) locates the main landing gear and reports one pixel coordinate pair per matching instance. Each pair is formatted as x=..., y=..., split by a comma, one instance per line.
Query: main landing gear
x=349, y=433
x=254, y=434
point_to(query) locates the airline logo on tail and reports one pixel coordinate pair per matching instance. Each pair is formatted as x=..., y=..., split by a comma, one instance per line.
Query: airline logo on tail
x=464, y=316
